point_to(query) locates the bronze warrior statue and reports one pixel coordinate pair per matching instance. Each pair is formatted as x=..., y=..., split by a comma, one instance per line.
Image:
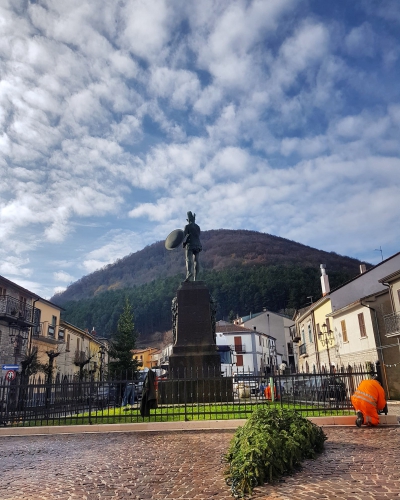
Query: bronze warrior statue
x=191, y=244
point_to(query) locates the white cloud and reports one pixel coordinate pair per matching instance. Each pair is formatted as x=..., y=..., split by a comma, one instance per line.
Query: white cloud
x=250, y=113
x=63, y=276
x=113, y=245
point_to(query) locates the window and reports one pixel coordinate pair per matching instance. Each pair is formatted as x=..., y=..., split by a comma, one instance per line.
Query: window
x=309, y=333
x=328, y=324
x=54, y=321
x=3, y=291
x=238, y=344
x=361, y=323
x=68, y=342
x=239, y=360
x=77, y=344
x=259, y=340
x=60, y=334
x=344, y=331
x=303, y=337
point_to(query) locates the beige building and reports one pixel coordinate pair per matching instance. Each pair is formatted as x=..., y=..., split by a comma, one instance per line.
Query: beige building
x=82, y=350
x=390, y=334
x=46, y=336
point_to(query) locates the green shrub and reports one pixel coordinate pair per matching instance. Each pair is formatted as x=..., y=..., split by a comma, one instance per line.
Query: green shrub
x=272, y=441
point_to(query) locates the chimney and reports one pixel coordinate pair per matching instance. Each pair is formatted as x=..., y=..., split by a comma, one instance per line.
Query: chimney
x=324, y=281
x=363, y=268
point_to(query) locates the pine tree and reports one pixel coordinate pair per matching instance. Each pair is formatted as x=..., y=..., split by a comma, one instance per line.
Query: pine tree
x=122, y=345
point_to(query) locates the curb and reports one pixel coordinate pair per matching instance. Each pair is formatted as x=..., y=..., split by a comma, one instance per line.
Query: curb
x=196, y=425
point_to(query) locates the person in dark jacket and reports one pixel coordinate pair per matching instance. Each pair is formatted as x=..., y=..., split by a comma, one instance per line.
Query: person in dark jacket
x=149, y=395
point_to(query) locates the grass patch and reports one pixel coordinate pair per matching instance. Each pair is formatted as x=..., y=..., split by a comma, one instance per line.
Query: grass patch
x=175, y=413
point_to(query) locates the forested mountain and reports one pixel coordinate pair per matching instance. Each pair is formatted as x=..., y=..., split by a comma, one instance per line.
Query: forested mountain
x=221, y=249
x=244, y=270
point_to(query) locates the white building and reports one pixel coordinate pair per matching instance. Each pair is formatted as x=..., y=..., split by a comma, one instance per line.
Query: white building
x=252, y=351
x=277, y=326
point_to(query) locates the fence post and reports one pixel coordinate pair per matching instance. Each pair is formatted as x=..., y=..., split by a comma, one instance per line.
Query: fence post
x=378, y=369
x=272, y=387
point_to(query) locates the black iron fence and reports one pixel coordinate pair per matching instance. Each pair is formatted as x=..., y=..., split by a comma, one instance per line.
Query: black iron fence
x=196, y=396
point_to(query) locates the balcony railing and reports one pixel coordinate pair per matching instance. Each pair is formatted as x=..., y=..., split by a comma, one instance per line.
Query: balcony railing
x=392, y=324
x=239, y=348
x=302, y=349
x=14, y=310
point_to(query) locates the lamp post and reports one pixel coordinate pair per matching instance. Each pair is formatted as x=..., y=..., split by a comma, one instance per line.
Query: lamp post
x=102, y=352
x=326, y=338
x=18, y=338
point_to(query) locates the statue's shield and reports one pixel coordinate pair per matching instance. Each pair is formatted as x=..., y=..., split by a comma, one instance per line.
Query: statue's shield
x=174, y=239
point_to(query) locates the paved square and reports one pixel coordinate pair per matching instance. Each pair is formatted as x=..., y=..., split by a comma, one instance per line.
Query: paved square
x=357, y=464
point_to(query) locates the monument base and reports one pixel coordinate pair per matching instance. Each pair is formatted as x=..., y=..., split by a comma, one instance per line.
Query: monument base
x=208, y=390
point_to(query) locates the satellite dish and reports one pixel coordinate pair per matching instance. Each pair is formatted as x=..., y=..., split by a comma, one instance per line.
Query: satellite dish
x=174, y=239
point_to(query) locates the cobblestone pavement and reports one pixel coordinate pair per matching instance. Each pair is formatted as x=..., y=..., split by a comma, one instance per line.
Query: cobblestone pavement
x=357, y=464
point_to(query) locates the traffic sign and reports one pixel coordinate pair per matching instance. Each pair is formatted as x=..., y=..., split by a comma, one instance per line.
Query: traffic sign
x=10, y=375
x=10, y=367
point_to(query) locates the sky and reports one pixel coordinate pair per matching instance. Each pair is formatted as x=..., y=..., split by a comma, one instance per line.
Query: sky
x=118, y=117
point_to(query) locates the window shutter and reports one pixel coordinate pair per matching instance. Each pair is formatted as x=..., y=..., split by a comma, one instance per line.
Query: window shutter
x=344, y=331
x=361, y=322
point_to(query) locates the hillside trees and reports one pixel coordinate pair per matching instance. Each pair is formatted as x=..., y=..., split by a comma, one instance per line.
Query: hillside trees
x=123, y=343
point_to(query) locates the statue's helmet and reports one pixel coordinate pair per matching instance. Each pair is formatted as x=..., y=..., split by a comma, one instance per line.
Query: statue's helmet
x=191, y=217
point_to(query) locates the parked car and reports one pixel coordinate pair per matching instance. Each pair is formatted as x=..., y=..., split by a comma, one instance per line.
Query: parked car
x=105, y=395
x=328, y=389
x=246, y=382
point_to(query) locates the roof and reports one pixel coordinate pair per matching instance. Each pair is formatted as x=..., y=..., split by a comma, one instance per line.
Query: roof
x=20, y=287
x=390, y=277
x=231, y=328
x=28, y=292
x=365, y=272
x=64, y=323
x=303, y=312
x=356, y=303
x=224, y=327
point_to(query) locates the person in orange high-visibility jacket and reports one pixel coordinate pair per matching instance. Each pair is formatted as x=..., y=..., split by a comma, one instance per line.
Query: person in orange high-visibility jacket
x=267, y=392
x=368, y=399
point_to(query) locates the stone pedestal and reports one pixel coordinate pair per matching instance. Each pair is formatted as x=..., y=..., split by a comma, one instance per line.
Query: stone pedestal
x=194, y=365
x=194, y=353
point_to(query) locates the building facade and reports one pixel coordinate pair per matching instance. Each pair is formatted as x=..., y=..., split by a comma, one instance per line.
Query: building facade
x=277, y=326
x=18, y=316
x=252, y=351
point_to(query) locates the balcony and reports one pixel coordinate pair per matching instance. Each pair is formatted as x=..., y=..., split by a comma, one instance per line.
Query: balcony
x=239, y=348
x=294, y=335
x=392, y=324
x=15, y=311
x=303, y=350
x=43, y=332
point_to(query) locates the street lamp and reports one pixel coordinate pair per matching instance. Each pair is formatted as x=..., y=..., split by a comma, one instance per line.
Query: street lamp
x=102, y=352
x=18, y=337
x=326, y=338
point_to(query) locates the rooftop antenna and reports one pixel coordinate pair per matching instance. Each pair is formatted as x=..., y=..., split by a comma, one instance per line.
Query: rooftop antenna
x=379, y=250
